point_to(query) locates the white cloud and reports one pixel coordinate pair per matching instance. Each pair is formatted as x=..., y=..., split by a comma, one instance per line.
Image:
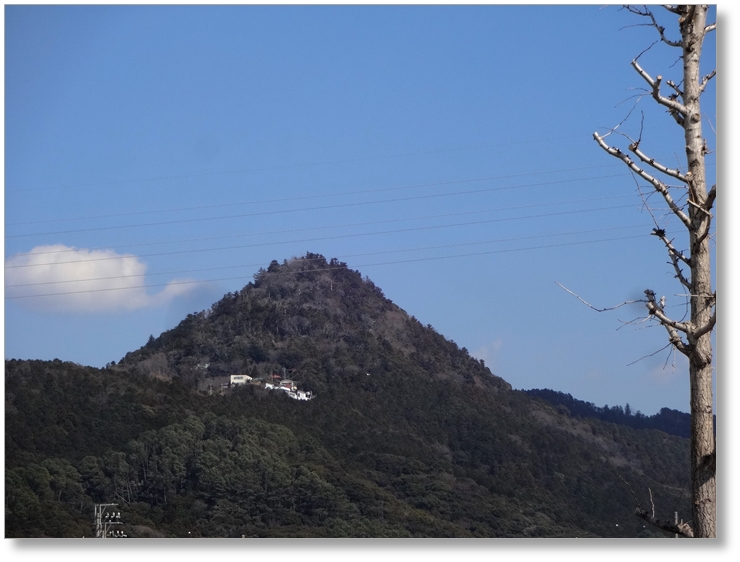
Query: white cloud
x=488, y=352
x=93, y=281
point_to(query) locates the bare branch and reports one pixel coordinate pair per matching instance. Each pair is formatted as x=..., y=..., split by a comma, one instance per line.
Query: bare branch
x=660, y=233
x=635, y=147
x=710, y=27
x=675, y=256
x=645, y=198
x=656, y=310
x=664, y=524
x=593, y=307
x=661, y=30
x=675, y=62
x=706, y=80
x=699, y=207
x=676, y=89
x=638, y=320
x=629, y=113
x=682, y=529
x=679, y=272
x=647, y=49
x=656, y=183
x=638, y=96
x=711, y=197
x=672, y=9
x=649, y=355
x=672, y=354
x=676, y=340
x=672, y=105
x=629, y=487
x=671, y=326
x=708, y=327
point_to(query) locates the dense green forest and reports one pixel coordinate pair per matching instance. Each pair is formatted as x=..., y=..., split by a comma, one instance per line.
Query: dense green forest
x=407, y=436
x=668, y=420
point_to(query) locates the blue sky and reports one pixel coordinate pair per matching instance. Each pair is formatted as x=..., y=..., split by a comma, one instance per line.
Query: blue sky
x=169, y=152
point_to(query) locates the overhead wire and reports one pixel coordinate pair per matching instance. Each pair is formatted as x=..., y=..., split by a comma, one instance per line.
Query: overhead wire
x=75, y=186
x=345, y=225
x=444, y=246
x=304, y=209
x=406, y=261
x=313, y=196
x=241, y=246
x=316, y=196
x=294, y=165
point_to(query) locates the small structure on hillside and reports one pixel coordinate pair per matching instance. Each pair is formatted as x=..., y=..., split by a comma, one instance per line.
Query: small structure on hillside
x=287, y=383
x=291, y=389
x=276, y=382
x=301, y=395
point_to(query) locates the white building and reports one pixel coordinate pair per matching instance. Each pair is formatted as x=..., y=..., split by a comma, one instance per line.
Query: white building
x=301, y=395
x=287, y=383
x=290, y=388
x=240, y=379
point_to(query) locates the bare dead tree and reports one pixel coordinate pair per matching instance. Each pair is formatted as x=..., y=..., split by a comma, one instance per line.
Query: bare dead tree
x=691, y=202
x=683, y=529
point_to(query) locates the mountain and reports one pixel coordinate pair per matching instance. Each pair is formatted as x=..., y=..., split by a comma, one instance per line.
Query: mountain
x=407, y=435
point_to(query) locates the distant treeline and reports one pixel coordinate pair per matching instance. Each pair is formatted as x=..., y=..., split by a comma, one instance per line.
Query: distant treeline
x=670, y=421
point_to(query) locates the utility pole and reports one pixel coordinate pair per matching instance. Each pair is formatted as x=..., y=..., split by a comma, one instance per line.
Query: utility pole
x=105, y=519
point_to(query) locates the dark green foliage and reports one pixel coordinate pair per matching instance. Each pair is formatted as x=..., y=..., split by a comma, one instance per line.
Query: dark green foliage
x=409, y=436
x=668, y=420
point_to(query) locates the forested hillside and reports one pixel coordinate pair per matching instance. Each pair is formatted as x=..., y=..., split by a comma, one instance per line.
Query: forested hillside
x=668, y=420
x=407, y=435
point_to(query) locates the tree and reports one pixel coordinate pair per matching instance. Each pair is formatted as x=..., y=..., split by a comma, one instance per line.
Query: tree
x=691, y=203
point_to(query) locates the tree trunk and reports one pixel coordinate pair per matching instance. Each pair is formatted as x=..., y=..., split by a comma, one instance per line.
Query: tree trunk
x=696, y=217
x=700, y=359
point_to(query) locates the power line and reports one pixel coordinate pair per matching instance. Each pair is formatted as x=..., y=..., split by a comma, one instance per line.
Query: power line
x=460, y=244
x=304, y=209
x=241, y=246
x=325, y=227
x=190, y=282
x=316, y=196
x=295, y=165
